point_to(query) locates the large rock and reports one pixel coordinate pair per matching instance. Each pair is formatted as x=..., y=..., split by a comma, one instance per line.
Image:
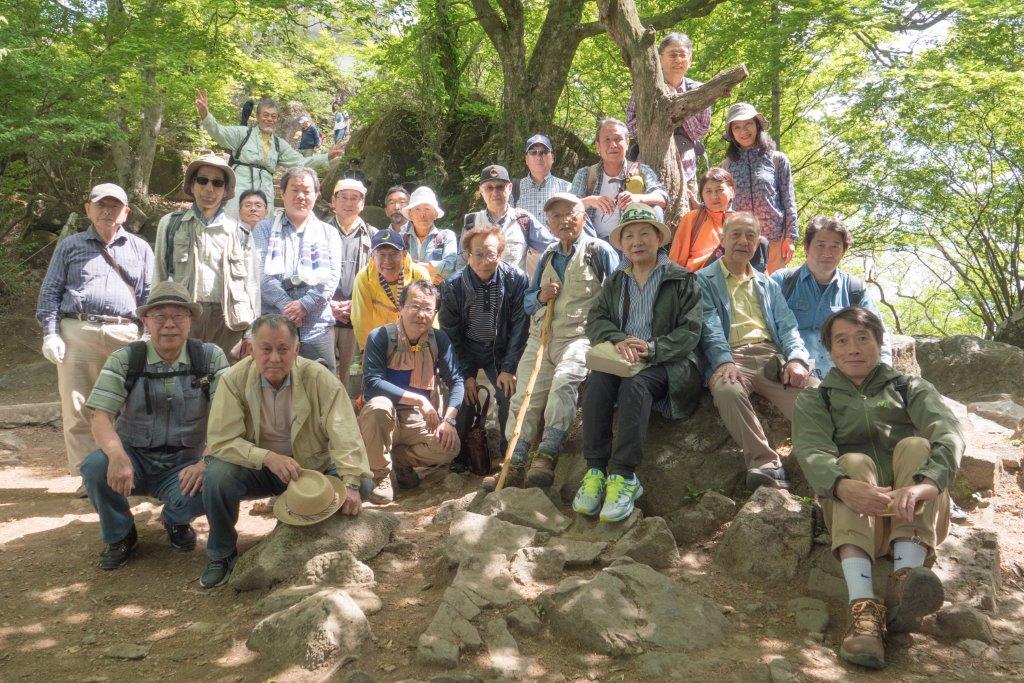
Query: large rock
x=338, y=568
x=698, y=522
x=1011, y=331
x=24, y=414
x=537, y=565
x=959, y=622
x=446, y=510
x=284, y=552
x=629, y=608
x=487, y=579
x=473, y=534
x=283, y=598
x=525, y=507
x=904, y=355
x=450, y=632
x=970, y=368
x=585, y=528
x=769, y=537
x=649, y=542
x=968, y=564
x=326, y=625
x=502, y=649
x=577, y=553
x=1001, y=409
x=41, y=374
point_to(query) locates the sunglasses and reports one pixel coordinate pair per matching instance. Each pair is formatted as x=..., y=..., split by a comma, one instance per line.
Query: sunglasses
x=539, y=152
x=204, y=181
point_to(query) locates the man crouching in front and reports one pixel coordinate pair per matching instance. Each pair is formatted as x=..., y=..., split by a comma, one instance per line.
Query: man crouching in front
x=275, y=414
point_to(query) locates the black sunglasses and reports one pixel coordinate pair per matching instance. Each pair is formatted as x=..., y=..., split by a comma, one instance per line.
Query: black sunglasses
x=203, y=180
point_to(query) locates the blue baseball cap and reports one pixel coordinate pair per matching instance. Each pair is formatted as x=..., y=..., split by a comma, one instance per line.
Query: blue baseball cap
x=387, y=238
x=540, y=139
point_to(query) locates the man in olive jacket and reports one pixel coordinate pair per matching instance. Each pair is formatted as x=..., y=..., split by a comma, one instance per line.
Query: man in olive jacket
x=880, y=450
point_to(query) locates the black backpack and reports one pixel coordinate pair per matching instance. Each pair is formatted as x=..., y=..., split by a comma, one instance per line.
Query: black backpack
x=233, y=155
x=172, y=228
x=200, y=356
x=902, y=387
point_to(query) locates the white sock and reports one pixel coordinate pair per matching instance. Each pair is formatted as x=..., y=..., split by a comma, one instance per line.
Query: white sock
x=857, y=572
x=908, y=554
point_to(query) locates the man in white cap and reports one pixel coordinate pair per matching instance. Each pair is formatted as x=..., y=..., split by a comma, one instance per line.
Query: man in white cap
x=87, y=301
x=149, y=410
x=540, y=183
x=525, y=236
x=434, y=248
x=256, y=151
x=310, y=137
x=209, y=253
x=348, y=201
x=568, y=279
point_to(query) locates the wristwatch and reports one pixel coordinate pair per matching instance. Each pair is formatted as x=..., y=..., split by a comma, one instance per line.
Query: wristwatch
x=451, y=421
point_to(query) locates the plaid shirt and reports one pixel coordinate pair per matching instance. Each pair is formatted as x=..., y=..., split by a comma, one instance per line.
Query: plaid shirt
x=532, y=196
x=80, y=281
x=695, y=127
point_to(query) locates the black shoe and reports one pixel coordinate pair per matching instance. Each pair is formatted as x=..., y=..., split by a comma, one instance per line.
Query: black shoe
x=182, y=536
x=406, y=477
x=458, y=466
x=116, y=555
x=218, y=571
x=767, y=476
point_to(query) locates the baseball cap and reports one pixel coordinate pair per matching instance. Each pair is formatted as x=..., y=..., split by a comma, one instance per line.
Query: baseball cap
x=108, y=190
x=539, y=139
x=349, y=184
x=387, y=238
x=494, y=172
x=562, y=197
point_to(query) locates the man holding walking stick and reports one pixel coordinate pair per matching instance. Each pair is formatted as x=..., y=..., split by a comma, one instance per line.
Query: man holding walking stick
x=567, y=281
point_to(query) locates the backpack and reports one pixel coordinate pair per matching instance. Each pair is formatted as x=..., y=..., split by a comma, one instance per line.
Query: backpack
x=590, y=259
x=902, y=387
x=172, y=228
x=233, y=156
x=200, y=356
x=632, y=169
x=392, y=330
x=855, y=287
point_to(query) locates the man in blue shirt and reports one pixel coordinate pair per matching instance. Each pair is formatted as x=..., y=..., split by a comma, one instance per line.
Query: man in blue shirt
x=311, y=137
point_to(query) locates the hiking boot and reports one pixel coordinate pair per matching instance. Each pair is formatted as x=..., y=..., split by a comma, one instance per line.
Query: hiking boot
x=182, y=536
x=116, y=555
x=911, y=593
x=767, y=476
x=405, y=476
x=382, y=493
x=542, y=471
x=863, y=642
x=218, y=571
x=590, y=494
x=514, y=480
x=619, y=494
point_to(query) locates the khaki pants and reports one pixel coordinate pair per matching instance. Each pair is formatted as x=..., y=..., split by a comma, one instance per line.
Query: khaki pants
x=874, y=535
x=398, y=432
x=210, y=327
x=733, y=403
x=345, y=349
x=87, y=346
x=563, y=368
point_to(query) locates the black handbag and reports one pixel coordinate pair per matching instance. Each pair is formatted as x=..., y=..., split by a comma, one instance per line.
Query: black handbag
x=476, y=449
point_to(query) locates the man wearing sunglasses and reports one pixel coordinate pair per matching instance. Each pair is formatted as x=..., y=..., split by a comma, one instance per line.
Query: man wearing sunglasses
x=540, y=183
x=206, y=250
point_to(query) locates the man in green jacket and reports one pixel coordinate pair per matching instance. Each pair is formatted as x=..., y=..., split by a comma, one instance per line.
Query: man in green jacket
x=650, y=311
x=880, y=450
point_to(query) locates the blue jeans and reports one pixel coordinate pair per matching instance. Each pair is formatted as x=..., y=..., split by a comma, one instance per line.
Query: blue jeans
x=225, y=486
x=320, y=347
x=158, y=478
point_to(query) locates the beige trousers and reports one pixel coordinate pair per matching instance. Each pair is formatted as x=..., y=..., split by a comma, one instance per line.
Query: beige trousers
x=874, y=535
x=563, y=368
x=399, y=433
x=733, y=403
x=87, y=346
x=210, y=327
x=345, y=349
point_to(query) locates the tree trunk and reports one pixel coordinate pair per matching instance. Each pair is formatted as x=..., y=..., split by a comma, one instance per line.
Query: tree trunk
x=152, y=120
x=660, y=110
x=775, y=117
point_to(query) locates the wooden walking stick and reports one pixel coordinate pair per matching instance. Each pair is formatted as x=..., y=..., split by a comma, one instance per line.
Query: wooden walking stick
x=545, y=333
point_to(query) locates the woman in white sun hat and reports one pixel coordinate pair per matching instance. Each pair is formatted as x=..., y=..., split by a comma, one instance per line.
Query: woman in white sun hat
x=435, y=248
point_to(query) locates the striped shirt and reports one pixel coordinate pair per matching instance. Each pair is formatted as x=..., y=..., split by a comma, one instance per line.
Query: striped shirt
x=109, y=393
x=532, y=196
x=641, y=300
x=482, y=309
x=80, y=281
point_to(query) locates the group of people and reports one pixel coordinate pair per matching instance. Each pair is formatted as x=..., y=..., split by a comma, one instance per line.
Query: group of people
x=257, y=322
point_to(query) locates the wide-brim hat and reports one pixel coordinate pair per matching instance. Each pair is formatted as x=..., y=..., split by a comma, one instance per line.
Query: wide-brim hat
x=216, y=162
x=742, y=111
x=639, y=213
x=422, y=195
x=310, y=498
x=169, y=293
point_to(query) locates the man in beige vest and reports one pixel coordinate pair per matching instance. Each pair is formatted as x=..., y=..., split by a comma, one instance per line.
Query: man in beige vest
x=568, y=278
x=209, y=253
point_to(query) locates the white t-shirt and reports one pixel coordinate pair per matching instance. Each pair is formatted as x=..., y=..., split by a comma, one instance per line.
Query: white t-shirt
x=604, y=223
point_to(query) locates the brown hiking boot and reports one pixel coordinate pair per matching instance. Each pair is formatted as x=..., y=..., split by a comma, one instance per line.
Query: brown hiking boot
x=515, y=478
x=863, y=642
x=542, y=471
x=911, y=593
x=405, y=476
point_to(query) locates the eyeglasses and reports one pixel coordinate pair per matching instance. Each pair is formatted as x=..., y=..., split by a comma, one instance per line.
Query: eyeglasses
x=161, y=319
x=253, y=205
x=490, y=255
x=560, y=217
x=204, y=181
x=539, y=152
x=416, y=308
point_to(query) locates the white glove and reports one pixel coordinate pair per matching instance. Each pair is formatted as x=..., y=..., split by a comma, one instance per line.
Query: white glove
x=53, y=348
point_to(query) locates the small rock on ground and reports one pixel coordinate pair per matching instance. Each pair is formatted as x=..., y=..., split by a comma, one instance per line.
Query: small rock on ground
x=774, y=519
x=577, y=553
x=128, y=651
x=584, y=528
x=337, y=568
x=472, y=534
x=649, y=542
x=524, y=620
x=811, y=615
x=977, y=649
x=525, y=507
x=960, y=622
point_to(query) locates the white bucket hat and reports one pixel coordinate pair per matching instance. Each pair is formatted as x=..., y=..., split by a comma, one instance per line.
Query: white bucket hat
x=422, y=195
x=310, y=498
x=742, y=111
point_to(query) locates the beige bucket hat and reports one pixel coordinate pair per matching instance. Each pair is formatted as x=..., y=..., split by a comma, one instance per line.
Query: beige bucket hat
x=216, y=162
x=310, y=498
x=168, y=293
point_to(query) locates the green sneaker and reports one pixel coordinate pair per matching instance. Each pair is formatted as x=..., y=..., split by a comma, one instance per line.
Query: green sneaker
x=591, y=493
x=619, y=495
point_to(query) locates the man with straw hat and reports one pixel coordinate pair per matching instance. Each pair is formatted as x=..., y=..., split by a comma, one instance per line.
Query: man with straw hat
x=149, y=411
x=276, y=416
x=209, y=253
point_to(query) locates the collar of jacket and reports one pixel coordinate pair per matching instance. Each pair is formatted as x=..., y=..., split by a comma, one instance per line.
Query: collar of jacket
x=301, y=376
x=879, y=376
